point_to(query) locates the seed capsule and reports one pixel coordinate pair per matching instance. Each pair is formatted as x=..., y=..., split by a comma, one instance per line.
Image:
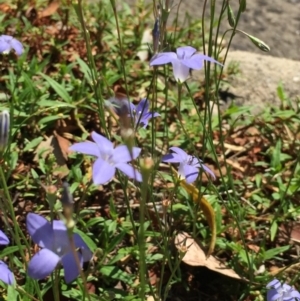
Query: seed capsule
x=4, y=129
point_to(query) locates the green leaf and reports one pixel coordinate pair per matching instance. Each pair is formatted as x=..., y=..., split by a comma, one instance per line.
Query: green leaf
x=58, y=88
x=269, y=254
x=273, y=230
x=12, y=293
x=55, y=104
x=10, y=250
x=48, y=119
x=90, y=243
x=86, y=70
x=115, y=241
x=113, y=272
x=32, y=144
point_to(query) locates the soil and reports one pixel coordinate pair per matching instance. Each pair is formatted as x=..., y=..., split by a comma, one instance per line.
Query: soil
x=276, y=22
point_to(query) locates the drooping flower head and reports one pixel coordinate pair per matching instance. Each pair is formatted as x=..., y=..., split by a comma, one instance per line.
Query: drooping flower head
x=188, y=165
x=182, y=61
x=5, y=273
x=108, y=158
x=56, y=248
x=141, y=114
x=7, y=43
x=281, y=292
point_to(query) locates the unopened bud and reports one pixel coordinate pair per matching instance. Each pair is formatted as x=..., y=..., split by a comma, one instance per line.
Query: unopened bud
x=4, y=129
x=155, y=35
x=146, y=165
x=66, y=196
x=243, y=5
x=68, y=203
x=230, y=15
x=259, y=43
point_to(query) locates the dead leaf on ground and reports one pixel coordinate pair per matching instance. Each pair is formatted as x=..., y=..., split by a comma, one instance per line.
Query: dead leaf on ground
x=52, y=146
x=50, y=10
x=195, y=256
x=64, y=145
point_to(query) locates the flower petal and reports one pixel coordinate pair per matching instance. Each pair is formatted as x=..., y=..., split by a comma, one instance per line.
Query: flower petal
x=87, y=148
x=197, y=60
x=40, y=230
x=208, y=170
x=146, y=117
x=5, y=274
x=61, y=243
x=70, y=266
x=171, y=158
x=7, y=43
x=143, y=106
x=103, y=143
x=4, y=46
x=189, y=172
x=185, y=52
x=123, y=155
x=42, y=264
x=273, y=295
x=180, y=152
x=163, y=58
x=84, y=249
x=274, y=283
x=130, y=171
x=293, y=294
x=17, y=46
x=3, y=239
x=102, y=172
x=180, y=71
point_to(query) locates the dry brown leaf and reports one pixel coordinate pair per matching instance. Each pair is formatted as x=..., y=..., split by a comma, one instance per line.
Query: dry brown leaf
x=50, y=10
x=47, y=147
x=63, y=144
x=195, y=256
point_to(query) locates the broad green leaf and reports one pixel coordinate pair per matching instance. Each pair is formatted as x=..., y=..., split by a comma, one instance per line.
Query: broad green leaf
x=90, y=243
x=32, y=144
x=269, y=254
x=273, y=230
x=113, y=272
x=58, y=88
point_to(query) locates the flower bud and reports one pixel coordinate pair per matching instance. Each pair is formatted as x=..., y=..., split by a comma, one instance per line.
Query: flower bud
x=230, y=15
x=66, y=196
x=4, y=129
x=146, y=165
x=243, y=5
x=156, y=35
x=259, y=43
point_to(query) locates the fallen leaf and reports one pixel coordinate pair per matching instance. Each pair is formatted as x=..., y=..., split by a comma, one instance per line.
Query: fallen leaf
x=195, y=256
x=63, y=144
x=50, y=10
x=51, y=146
x=206, y=207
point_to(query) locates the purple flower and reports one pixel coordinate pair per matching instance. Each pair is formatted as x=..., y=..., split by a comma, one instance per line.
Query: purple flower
x=182, y=61
x=5, y=274
x=188, y=165
x=55, y=244
x=141, y=114
x=7, y=43
x=281, y=292
x=108, y=158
